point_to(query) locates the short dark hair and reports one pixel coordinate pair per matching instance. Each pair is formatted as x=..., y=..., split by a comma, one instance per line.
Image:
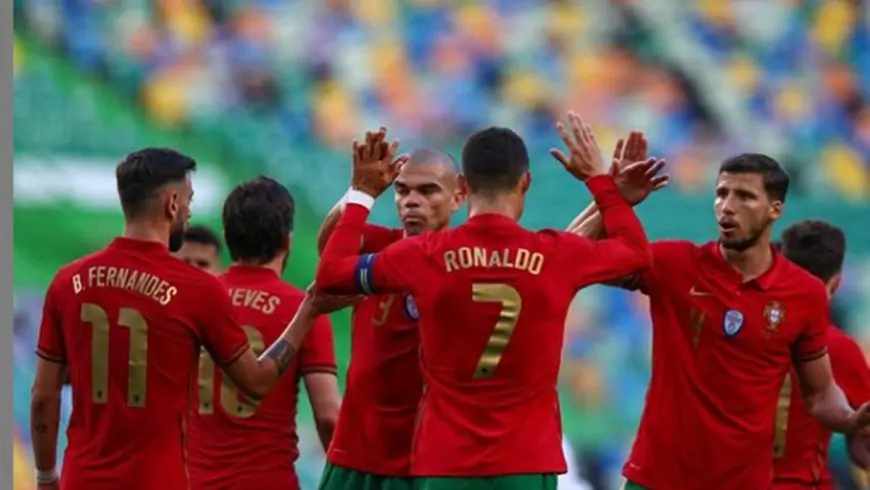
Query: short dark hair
x=257, y=217
x=494, y=160
x=775, y=178
x=817, y=246
x=203, y=235
x=141, y=174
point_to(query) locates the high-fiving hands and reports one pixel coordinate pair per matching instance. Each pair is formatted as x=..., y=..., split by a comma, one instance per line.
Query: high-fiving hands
x=636, y=175
x=374, y=167
x=585, y=159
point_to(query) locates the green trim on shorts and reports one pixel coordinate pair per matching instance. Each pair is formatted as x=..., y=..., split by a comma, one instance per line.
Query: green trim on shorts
x=632, y=486
x=538, y=481
x=340, y=478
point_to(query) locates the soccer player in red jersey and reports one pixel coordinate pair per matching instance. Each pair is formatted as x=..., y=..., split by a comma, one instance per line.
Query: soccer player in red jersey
x=126, y=323
x=492, y=299
x=371, y=449
x=729, y=319
x=237, y=443
x=201, y=248
x=800, y=441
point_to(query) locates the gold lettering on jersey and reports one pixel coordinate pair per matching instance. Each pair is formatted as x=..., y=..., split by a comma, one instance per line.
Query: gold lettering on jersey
x=258, y=300
x=77, y=283
x=134, y=280
x=506, y=258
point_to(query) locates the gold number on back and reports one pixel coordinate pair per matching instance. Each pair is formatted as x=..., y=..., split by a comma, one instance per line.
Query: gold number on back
x=511, y=305
x=233, y=402
x=137, y=374
x=781, y=425
x=385, y=305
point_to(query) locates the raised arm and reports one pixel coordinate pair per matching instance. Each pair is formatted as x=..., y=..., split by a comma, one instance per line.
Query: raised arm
x=342, y=270
x=329, y=223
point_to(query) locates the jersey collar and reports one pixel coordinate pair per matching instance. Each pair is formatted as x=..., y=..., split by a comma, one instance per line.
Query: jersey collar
x=712, y=256
x=123, y=243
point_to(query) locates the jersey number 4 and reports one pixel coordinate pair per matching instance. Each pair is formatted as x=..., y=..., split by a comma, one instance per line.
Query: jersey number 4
x=233, y=403
x=137, y=373
x=511, y=306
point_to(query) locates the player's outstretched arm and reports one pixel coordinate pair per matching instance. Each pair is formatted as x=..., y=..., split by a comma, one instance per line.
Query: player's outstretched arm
x=627, y=251
x=257, y=375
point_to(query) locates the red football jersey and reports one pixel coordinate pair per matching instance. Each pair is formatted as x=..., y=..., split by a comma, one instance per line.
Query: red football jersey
x=801, y=442
x=721, y=348
x=235, y=442
x=384, y=382
x=128, y=322
x=492, y=300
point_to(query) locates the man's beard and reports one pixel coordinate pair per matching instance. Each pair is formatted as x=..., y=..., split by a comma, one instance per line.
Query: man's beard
x=743, y=244
x=176, y=240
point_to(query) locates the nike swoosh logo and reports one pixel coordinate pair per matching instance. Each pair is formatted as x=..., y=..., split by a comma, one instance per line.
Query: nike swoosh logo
x=694, y=292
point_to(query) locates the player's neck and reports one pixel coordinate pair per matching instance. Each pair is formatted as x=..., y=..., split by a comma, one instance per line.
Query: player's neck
x=752, y=262
x=502, y=205
x=276, y=265
x=146, y=232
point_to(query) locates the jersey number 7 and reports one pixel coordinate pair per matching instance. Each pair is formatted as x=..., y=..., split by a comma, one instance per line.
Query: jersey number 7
x=233, y=403
x=511, y=306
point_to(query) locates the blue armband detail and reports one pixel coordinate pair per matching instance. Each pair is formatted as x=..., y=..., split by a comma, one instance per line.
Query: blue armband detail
x=363, y=274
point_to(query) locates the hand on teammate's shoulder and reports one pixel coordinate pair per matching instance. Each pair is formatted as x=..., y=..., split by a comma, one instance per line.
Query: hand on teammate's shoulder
x=374, y=167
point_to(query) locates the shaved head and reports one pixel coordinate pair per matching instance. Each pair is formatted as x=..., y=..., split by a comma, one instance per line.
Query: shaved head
x=430, y=156
x=427, y=190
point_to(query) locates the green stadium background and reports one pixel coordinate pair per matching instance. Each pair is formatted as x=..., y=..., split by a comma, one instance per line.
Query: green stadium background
x=71, y=129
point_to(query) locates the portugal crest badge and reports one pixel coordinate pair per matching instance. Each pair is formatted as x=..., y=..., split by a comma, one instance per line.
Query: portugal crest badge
x=732, y=323
x=411, y=308
x=774, y=314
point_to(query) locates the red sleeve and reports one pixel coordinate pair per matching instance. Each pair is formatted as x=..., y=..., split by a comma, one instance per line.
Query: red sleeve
x=50, y=345
x=376, y=238
x=317, y=354
x=218, y=327
x=343, y=271
x=665, y=253
x=812, y=343
x=624, y=252
x=850, y=368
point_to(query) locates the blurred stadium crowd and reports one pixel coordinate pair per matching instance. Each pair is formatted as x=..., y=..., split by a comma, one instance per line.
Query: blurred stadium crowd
x=702, y=79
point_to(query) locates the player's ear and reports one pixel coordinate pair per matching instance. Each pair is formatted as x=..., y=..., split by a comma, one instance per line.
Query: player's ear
x=458, y=197
x=775, y=210
x=462, y=185
x=525, y=182
x=172, y=204
x=834, y=283
x=287, y=242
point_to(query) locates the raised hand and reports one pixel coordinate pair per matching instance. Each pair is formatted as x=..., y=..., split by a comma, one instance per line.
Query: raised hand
x=585, y=160
x=374, y=168
x=636, y=175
